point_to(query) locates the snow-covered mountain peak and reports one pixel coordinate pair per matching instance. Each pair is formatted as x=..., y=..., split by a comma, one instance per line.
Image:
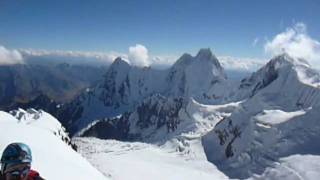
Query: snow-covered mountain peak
x=287, y=60
x=204, y=53
x=119, y=63
x=195, y=76
x=204, y=56
x=184, y=60
x=285, y=70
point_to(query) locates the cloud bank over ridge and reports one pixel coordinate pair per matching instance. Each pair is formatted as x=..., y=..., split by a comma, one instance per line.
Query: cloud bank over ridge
x=296, y=42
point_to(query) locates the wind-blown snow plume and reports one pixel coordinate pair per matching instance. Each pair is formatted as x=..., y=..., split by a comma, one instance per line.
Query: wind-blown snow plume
x=9, y=57
x=138, y=55
x=297, y=43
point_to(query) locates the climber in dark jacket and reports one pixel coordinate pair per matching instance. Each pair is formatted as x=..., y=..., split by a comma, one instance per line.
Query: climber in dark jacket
x=16, y=163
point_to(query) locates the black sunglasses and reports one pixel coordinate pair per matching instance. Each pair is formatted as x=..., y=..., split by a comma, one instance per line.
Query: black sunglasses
x=17, y=173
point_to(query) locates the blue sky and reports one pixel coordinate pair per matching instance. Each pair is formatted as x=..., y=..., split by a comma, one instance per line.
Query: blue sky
x=165, y=27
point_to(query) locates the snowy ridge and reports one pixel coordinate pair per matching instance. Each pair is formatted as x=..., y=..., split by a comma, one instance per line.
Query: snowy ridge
x=36, y=128
x=277, y=119
x=43, y=120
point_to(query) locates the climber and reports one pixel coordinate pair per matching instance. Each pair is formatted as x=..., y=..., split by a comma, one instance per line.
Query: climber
x=16, y=163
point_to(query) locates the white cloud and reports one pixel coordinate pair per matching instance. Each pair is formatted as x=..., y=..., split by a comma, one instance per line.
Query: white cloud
x=10, y=57
x=73, y=57
x=81, y=57
x=163, y=61
x=296, y=42
x=138, y=55
x=241, y=64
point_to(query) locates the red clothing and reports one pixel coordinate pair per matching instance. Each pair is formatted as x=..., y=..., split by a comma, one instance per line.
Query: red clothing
x=34, y=175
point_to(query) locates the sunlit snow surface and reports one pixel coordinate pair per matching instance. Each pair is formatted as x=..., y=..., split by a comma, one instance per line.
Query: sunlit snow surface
x=52, y=157
x=277, y=116
x=140, y=161
x=295, y=167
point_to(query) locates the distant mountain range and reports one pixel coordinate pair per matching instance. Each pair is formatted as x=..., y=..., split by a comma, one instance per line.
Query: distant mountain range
x=23, y=83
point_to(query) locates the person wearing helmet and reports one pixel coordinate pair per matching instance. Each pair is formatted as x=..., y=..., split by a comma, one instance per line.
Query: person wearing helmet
x=16, y=163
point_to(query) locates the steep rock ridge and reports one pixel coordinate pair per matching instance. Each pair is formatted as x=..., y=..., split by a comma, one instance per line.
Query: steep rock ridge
x=159, y=119
x=278, y=118
x=116, y=76
x=153, y=118
x=125, y=84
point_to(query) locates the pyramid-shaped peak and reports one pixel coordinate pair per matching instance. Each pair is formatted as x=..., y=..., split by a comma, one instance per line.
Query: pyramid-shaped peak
x=185, y=56
x=119, y=61
x=204, y=53
x=184, y=60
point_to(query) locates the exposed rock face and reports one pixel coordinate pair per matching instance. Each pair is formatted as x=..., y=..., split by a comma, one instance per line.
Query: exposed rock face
x=154, y=113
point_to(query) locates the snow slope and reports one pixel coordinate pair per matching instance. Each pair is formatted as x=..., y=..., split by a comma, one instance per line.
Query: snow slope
x=165, y=154
x=52, y=157
x=41, y=119
x=278, y=118
x=140, y=161
x=295, y=167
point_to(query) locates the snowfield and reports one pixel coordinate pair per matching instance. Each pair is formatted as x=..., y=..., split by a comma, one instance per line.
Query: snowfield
x=295, y=167
x=141, y=161
x=52, y=157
